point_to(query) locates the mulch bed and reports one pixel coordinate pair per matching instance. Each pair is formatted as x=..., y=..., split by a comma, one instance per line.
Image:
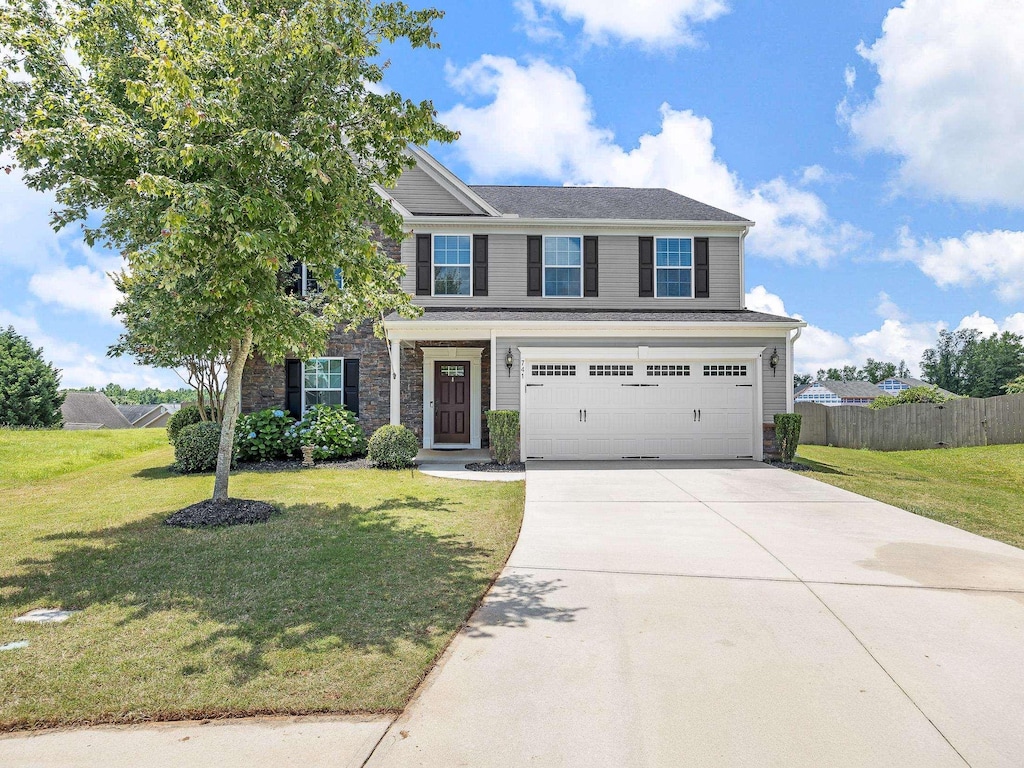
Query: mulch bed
x=793, y=465
x=289, y=465
x=225, y=512
x=493, y=466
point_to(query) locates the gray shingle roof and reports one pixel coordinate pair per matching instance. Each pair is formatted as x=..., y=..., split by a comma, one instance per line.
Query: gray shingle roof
x=93, y=408
x=860, y=389
x=135, y=412
x=601, y=203
x=472, y=314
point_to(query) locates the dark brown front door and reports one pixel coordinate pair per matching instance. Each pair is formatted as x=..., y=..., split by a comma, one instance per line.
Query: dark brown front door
x=451, y=402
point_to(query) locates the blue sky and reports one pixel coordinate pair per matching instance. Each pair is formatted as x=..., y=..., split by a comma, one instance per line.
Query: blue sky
x=879, y=146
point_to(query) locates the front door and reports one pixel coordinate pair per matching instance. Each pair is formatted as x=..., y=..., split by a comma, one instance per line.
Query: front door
x=451, y=402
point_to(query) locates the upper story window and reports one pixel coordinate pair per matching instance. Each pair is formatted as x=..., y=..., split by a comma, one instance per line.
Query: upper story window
x=453, y=265
x=310, y=285
x=563, y=266
x=673, y=267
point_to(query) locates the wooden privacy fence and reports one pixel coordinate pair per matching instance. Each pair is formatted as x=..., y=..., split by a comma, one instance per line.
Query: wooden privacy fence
x=955, y=424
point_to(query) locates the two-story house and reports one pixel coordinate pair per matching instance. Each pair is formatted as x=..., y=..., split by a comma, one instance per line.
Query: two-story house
x=612, y=319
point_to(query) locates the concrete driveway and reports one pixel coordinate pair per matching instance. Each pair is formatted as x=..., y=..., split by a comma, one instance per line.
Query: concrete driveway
x=728, y=614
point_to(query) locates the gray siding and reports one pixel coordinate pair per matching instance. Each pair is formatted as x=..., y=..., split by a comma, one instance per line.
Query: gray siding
x=618, y=276
x=421, y=194
x=773, y=387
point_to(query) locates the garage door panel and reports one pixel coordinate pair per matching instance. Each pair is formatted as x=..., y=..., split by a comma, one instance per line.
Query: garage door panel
x=630, y=412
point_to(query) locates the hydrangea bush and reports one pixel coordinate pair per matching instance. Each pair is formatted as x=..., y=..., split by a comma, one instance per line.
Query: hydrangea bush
x=333, y=432
x=266, y=436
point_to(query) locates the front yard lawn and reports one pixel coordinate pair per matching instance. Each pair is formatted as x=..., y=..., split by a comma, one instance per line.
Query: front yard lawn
x=338, y=604
x=977, y=489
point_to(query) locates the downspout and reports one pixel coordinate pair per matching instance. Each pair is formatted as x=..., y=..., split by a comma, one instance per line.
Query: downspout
x=790, y=341
x=743, y=268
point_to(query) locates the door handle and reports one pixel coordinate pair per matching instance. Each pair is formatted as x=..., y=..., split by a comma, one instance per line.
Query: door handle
x=698, y=414
x=694, y=414
x=584, y=415
x=581, y=415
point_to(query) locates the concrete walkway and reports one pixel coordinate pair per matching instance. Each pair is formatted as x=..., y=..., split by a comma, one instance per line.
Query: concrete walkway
x=728, y=614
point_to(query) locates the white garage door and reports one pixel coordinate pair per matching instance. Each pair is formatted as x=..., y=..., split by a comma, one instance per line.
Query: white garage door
x=638, y=409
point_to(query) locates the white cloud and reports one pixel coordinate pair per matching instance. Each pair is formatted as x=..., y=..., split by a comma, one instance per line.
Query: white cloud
x=538, y=120
x=898, y=338
x=79, y=288
x=993, y=258
x=948, y=101
x=850, y=77
x=655, y=23
x=80, y=367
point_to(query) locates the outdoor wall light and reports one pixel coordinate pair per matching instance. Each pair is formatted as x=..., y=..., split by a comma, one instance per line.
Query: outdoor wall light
x=773, y=361
x=509, y=361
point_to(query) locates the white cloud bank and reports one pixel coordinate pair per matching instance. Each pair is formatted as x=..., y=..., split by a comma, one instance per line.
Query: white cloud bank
x=897, y=338
x=992, y=258
x=655, y=23
x=539, y=120
x=948, y=102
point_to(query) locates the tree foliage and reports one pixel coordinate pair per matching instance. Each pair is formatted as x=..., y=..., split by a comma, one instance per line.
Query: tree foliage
x=1015, y=387
x=135, y=396
x=967, y=363
x=873, y=371
x=30, y=393
x=222, y=141
x=912, y=395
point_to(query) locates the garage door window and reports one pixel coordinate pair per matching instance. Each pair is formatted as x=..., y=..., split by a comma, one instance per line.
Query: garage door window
x=611, y=370
x=725, y=370
x=668, y=370
x=673, y=264
x=553, y=369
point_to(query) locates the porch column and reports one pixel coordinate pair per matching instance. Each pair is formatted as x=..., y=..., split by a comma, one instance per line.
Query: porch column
x=396, y=382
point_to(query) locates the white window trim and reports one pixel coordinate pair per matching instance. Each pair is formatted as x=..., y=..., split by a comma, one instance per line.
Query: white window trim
x=304, y=287
x=431, y=355
x=342, y=359
x=692, y=267
x=434, y=265
x=544, y=267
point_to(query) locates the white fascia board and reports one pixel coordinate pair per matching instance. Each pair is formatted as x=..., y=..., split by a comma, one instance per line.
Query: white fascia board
x=400, y=209
x=640, y=353
x=412, y=330
x=450, y=182
x=624, y=226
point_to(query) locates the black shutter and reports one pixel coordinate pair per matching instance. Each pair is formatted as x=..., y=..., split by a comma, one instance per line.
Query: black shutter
x=293, y=387
x=352, y=385
x=534, y=266
x=479, y=265
x=701, y=286
x=590, y=266
x=423, y=265
x=646, y=267
x=294, y=285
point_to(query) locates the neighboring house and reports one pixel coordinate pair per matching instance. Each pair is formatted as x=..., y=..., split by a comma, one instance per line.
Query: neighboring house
x=91, y=410
x=612, y=319
x=895, y=385
x=831, y=392
x=147, y=416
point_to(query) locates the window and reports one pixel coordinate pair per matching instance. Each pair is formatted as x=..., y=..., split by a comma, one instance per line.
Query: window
x=673, y=267
x=310, y=285
x=611, y=370
x=725, y=370
x=453, y=265
x=563, y=266
x=323, y=381
x=668, y=370
x=551, y=369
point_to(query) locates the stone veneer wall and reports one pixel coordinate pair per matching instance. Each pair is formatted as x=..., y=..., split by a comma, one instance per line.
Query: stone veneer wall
x=412, y=382
x=769, y=443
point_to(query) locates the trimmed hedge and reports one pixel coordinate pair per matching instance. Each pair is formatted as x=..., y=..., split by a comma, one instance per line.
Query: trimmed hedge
x=912, y=395
x=393, y=447
x=195, y=450
x=503, y=427
x=787, y=434
x=184, y=417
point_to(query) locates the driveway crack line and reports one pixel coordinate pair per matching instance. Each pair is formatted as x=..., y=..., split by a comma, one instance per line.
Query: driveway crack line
x=842, y=623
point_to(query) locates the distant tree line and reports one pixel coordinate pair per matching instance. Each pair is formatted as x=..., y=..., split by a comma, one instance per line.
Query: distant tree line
x=964, y=362
x=149, y=396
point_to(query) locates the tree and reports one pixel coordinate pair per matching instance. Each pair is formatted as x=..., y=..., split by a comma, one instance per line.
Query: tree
x=846, y=373
x=968, y=364
x=223, y=141
x=30, y=393
x=911, y=395
x=801, y=380
x=1015, y=387
x=876, y=370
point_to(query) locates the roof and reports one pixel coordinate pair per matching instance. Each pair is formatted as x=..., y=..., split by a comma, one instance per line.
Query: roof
x=652, y=204
x=472, y=314
x=912, y=382
x=93, y=408
x=135, y=412
x=860, y=389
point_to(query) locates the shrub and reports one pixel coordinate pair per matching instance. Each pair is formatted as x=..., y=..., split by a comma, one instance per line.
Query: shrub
x=29, y=395
x=195, y=450
x=1015, y=387
x=787, y=434
x=333, y=432
x=393, y=447
x=503, y=427
x=185, y=416
x=912, y=395
x=265, y=436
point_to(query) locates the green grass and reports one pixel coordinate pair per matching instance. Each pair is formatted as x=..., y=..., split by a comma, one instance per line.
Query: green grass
x=30, y=455
x=977, y=489
x=340, y=603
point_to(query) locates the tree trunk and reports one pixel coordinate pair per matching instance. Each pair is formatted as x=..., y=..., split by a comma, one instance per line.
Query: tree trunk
x=240, y=349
